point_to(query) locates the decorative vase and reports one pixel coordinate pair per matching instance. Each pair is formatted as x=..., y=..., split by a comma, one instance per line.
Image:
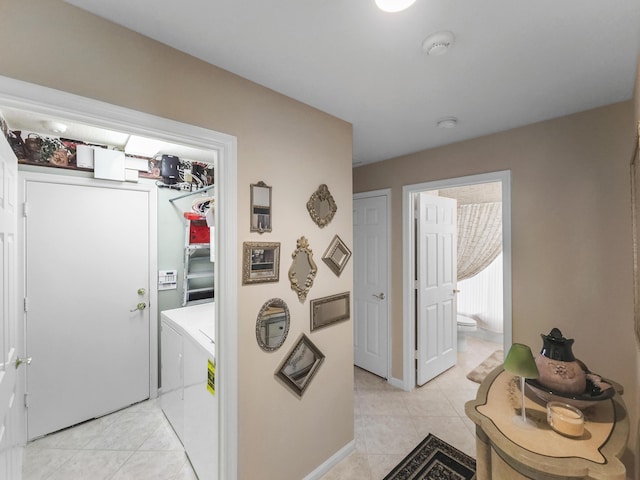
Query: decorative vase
x=559, y=370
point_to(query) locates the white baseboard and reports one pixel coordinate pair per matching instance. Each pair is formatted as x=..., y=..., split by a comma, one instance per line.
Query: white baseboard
x=396, y=382
x=332, y=461
x=495, y=337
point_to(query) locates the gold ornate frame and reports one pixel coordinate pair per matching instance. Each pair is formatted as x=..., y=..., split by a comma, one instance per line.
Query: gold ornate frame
x=321, y=206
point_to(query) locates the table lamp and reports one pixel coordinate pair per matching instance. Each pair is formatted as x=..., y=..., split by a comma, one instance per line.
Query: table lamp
x=520, y=362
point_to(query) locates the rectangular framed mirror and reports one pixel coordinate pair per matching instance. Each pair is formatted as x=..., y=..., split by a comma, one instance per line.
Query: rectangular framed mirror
x=301, y=365
x=337, y=255
x=260, y=262
x=328, y=310
x=260, y=207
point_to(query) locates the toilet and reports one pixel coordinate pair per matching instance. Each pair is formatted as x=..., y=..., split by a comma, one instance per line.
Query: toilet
x=465, y=325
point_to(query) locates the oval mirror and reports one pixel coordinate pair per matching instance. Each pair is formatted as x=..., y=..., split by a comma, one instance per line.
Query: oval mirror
x=272, y=325
x=303, y=269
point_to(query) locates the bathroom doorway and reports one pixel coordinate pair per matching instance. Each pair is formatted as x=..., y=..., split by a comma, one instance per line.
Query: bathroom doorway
x=483, y=315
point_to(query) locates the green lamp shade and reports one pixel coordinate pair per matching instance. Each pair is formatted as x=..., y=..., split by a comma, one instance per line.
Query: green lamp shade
x=520, y=361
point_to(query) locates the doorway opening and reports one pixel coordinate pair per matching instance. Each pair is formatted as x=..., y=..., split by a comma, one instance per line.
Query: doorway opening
x=25, y=96
x=492, y=314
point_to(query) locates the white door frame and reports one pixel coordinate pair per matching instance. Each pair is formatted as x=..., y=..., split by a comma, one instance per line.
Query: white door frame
x=408, y=259
x=387, y=194
x=22, y=95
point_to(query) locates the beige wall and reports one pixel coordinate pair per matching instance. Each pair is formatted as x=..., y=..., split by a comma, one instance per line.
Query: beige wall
x=571, y=230
x=288, y=145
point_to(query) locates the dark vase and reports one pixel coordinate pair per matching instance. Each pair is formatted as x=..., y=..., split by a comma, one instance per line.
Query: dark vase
x=559, y=370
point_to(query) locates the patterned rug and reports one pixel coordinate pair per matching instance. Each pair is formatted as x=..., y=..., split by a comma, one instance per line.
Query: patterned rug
x=434, y=459
x=482, y=370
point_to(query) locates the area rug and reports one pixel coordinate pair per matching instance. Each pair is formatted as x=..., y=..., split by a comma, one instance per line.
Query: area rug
x=482, y=370
x=434, y=459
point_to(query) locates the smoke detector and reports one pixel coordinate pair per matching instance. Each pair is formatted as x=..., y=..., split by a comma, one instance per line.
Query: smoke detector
x=438, y=43
x=448, y=122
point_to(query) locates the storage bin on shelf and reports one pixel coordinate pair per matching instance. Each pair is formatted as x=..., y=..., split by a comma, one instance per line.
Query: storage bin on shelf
x=198, y=284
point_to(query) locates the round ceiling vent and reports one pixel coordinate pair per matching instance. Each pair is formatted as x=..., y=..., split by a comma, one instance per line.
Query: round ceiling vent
x=438, y=43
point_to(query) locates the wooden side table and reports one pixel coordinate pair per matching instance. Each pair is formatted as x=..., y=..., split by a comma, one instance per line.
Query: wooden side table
x=506, y=450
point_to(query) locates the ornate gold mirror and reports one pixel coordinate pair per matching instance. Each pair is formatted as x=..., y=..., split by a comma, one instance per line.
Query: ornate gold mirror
x=303, y=269
x=272, y=324
x=321, y=206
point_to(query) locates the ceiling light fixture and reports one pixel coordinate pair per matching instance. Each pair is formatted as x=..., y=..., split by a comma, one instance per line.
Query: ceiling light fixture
x=438, y=43
x=449, y=122
x=393, y=6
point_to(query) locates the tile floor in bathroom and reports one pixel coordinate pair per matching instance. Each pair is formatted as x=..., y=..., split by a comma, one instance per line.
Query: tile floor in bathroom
x=138, y=442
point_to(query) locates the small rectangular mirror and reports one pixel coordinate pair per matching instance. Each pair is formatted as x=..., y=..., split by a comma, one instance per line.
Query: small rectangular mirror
x=328, y=310
x=260, y=262
x=260, y=207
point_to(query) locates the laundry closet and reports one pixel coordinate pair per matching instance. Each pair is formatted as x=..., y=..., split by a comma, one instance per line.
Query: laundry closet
x=117, y=245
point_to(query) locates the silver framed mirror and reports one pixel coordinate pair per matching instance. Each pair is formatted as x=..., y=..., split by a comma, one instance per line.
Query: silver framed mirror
x=331, y=309
x=300, y=365
x=321, y=206
x=272, y=324
x=260, y=262
x=260, y=207
x=337, y=255
x=303, y=269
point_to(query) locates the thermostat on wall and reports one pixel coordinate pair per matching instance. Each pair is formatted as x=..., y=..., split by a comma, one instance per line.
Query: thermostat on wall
x=167, y=279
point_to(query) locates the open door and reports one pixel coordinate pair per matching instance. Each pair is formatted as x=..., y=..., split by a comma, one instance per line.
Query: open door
x=12, y=430
x=436, y=260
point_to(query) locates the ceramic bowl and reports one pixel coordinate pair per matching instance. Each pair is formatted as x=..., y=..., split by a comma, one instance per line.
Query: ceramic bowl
x=583, y=400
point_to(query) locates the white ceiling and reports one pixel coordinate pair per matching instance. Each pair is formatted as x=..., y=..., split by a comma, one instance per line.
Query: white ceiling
x=513, y=62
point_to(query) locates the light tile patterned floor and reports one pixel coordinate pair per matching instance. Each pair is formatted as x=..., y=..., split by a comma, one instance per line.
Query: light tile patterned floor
x=138, y=442
x=390, y=422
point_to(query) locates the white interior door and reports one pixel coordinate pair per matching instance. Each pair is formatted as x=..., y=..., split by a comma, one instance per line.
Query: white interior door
x=12, y=432
x=436, y=329
x=370, y=284
x=86, y=271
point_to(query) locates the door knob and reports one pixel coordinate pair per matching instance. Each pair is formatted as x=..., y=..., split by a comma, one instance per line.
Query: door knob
x=20, y=361
x=141, y=306
x=380, y=296
x=455, y=290
x=141, y=291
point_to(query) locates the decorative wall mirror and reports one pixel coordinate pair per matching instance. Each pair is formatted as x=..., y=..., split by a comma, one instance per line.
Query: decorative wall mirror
x=328, y=310
x=337, y=255
x=260, y=207
x=301, y=365
x=321, y=206
x=260, y=262
x=272, y=324
x=303, y=269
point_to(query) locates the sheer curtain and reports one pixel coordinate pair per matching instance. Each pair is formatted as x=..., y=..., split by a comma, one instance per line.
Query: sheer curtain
x=479, y=237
